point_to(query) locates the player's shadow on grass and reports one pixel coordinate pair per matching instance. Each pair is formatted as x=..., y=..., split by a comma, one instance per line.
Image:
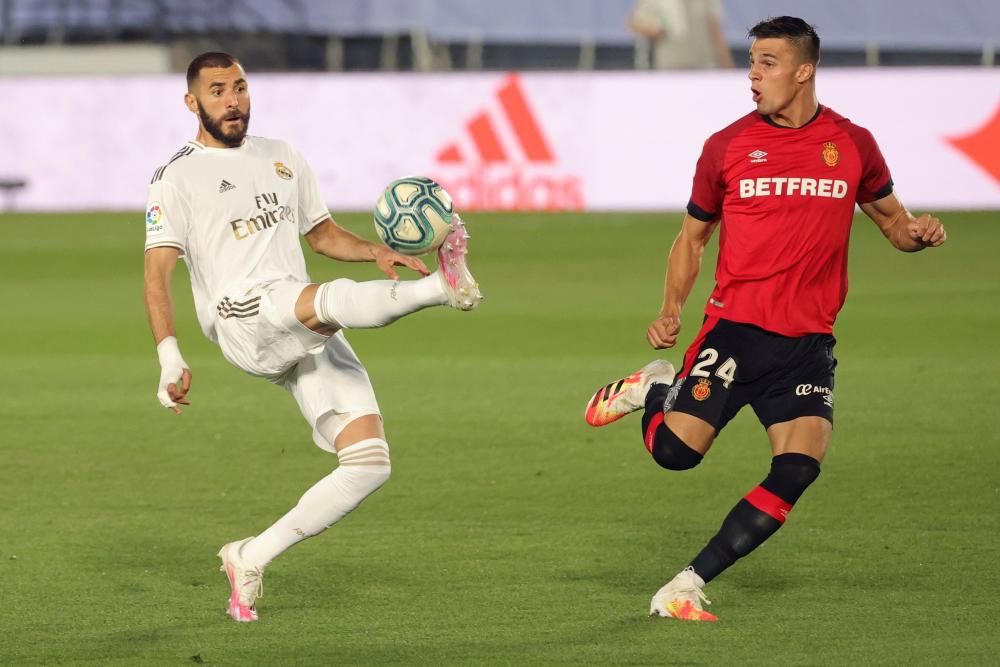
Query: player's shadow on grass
x=162, y=594
x=158, y=568
x=763, y=578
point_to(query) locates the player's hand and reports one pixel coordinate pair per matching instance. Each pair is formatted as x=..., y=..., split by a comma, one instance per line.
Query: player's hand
x=174, y=386
x=927, y=230
x=662, y=333
x=175, y=376
x=386, y=259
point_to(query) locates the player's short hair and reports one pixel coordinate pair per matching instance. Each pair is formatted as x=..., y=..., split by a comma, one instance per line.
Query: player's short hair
x=210, y=59
x=792, y=28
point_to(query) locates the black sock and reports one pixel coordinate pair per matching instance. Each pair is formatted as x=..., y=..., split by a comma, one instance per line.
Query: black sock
x=744, y=529
x=758, y=515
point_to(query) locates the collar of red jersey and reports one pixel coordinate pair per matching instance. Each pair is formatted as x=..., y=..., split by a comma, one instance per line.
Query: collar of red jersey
x=767, y=119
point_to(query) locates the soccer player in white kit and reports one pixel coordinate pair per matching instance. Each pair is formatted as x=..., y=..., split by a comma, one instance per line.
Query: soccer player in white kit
x=233, y=207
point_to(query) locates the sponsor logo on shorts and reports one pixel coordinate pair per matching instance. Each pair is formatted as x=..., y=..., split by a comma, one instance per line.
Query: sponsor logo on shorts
x=810, y=389
x=702, y=390
x=154, y=219
x=281, y=170
x=831, y=156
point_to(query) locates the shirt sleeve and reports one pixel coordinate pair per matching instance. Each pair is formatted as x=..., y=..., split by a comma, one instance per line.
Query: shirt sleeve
x=167, y=217
x=876, y=181
x=312, y=205
x=709, y=187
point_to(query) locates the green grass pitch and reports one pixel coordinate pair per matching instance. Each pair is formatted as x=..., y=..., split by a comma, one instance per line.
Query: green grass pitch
x=511, y=532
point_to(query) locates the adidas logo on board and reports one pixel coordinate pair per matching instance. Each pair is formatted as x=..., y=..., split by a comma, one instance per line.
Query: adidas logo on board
x=504, y=161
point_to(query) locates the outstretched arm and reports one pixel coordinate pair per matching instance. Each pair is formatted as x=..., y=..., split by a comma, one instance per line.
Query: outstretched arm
x=905, y=232
x=175, y=376
x=331, y=240
x=683, y=266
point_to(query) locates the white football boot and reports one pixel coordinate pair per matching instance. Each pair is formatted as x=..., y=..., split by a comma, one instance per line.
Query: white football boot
x=462, y=289
x=621, y=397
x=682, y=598
x=246, y=582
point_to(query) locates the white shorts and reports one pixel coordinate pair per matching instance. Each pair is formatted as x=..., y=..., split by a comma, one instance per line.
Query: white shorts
x=322, y=373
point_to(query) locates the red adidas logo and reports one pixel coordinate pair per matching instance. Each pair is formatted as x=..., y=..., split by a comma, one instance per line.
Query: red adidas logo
x=484, y=135
x=505, y=162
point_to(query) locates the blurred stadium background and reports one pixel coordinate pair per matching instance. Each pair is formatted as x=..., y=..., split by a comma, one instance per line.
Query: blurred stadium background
x=512, y=533
x=519, y=105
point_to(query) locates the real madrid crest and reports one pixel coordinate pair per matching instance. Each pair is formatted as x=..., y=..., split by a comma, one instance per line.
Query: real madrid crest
x=281, y=170
x=831, y=156
x=702, y=390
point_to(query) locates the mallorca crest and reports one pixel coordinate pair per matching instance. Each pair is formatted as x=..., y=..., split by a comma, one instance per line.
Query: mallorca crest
x=831, y=156
x=702, y=390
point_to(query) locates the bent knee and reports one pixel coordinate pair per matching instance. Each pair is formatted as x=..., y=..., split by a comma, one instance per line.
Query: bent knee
x=368, y=459
x=377, y=475
x=365, y=479
x=791, y=474
x=670, y=452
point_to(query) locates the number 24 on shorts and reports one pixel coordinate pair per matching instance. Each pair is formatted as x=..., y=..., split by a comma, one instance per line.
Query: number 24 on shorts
x=706, y=359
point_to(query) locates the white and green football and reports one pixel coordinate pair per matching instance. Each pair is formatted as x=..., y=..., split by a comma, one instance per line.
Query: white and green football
x=413, y=215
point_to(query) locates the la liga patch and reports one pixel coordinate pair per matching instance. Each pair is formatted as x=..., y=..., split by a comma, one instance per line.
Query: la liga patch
x=154, y=219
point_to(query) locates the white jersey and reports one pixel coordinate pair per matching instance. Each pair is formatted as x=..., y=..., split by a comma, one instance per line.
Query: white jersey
x=236, y=215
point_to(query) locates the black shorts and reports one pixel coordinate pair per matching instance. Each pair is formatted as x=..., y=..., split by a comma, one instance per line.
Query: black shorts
x=730, y=365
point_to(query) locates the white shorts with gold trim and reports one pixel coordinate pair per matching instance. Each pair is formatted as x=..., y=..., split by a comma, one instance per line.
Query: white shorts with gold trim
x=259, y=334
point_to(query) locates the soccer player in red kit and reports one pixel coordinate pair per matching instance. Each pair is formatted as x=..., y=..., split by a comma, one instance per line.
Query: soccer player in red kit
x=781, y=184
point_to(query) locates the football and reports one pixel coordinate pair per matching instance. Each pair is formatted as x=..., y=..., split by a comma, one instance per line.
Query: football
x=413, y=215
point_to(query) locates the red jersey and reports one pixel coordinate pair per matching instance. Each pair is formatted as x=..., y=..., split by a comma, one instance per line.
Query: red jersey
x=786, y=199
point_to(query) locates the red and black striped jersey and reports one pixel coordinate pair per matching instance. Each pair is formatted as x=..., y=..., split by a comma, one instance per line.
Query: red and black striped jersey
x=786, y=200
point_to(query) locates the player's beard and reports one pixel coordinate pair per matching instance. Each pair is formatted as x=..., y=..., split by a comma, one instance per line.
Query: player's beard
x=234, y=137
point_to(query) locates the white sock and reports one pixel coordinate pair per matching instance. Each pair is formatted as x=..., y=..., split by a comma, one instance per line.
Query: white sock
x=375, y=303
x=364, y=467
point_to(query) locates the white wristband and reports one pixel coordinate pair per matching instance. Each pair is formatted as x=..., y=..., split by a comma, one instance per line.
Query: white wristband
x=169, y=353
x=172, y=367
